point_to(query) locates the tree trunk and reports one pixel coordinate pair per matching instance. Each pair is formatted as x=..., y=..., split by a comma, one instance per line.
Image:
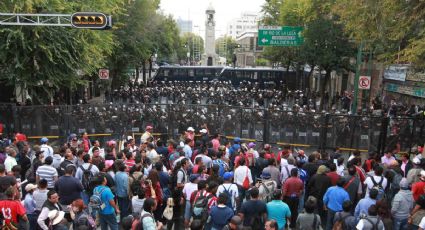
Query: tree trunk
x=137, y=75
x=323, y=87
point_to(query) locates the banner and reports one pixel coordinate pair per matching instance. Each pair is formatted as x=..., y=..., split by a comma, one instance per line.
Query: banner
x=404, y=89
x=415, y=76
x=396, y=72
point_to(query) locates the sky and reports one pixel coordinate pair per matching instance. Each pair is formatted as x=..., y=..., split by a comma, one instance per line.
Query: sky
x=226, y=10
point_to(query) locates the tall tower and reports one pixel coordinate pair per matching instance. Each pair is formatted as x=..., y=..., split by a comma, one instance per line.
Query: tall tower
x=210, y=57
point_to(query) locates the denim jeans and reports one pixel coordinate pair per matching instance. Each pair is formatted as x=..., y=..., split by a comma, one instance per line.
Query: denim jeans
x=400, y=224
x=108, y=220
x=32, y=221
x=124, y=205
x=330, y=219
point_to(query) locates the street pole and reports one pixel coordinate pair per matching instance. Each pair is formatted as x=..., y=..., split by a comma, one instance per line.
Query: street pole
x=356, y=79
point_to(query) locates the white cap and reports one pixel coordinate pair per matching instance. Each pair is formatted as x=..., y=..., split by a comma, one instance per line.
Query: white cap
x=423, y=173
x=30, y=187
x=191, y=129
x=129, y=138
x=203, y=131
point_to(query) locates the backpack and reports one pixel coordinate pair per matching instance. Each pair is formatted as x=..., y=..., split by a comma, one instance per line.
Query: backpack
x=269, y=187
x=95, y=202
x=87, y=178
x=257, y=222
x=378, y=186
x=340, y=224
x=229, y=195
x=135, y=185
x=374, y=225
x=250, y=159
x=395, y=180
x=221, y=167
x=200, y=207
x=140, y=224
x=84, y=220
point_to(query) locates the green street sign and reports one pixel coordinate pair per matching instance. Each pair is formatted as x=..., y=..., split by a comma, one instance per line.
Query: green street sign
x=280, y=36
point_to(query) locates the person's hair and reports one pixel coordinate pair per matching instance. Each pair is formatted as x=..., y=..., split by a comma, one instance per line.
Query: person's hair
x=120, y=166
x=254, y=192
x=187, y=141
x=332, y=167
x=99, y=179
x=201, y=169
x=356, y=161
x=219, y=154
x=158, y=166
x=311, y=158
x=2, y=168
x=271, y=161
x=352, y=170
x=340, y=182
x=222, y=198
x=149, y=204
x=141, y=193
x=241, y=161
x=378, y=170
x=202, y=184
x=262, y=153
x=183, y=162
x=372, y=210
x=340, y=161
x=211, y=186
x=277, y=194
x=10, y=192
x=120, y=155
x=86, y=158
x=356, y=153
x=373, y=193
x=16, y=169
x=294, y=172
x=50, y=193
x=159, y=143
x=129, y=155
x=383, y=209
x=79, y=203
x=273, y=224
x=310, y=206
x=48, y=160
x=198, y=160
x=153, y=176
x=95, y=149
x=347, y=206
x=69, y=169
x=79, y=152
x=42, y=183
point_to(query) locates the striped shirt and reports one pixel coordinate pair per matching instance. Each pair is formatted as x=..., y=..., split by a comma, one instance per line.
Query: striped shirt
x=48, y=173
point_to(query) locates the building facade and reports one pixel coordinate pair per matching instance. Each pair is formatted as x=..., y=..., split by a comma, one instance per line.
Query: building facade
x=185, y=26
x=247, y=22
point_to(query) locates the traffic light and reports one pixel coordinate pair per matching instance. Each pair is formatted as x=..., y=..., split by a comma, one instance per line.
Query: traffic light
x=90, y=20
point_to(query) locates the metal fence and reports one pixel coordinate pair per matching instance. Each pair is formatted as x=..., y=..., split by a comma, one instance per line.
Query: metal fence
x=315, y=130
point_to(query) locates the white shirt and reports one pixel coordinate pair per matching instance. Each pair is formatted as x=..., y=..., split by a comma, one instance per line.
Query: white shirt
x=285, y=174
x=48, y=151
x=369, y=184
x=152, y=155
x=137, y=204
x=232, y=189
x=189, y=188
x=422, y=223
x=340, y=170
x=9, y=163
x=240, y=174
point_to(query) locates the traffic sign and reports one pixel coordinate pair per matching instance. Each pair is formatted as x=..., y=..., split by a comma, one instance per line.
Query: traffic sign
x=364, y=82
x=89, y=20
x=280, y=36
x=104, y=74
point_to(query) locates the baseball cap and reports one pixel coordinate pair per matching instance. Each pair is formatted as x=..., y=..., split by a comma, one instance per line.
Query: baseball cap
x=30, y=187
x=203, y=131
x=191, y=129
x=228, y=175
x=265, y=175
x=149, y=127
x=44, y=140
x=129, y=138
x=237, y=139
x=251, y=145
x=301, y=152
x=193, y=177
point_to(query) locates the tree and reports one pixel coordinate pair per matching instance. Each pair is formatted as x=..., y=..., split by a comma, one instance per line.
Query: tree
x=392, y=29
x=225, y=47
x=190, y=42
x=42, y=60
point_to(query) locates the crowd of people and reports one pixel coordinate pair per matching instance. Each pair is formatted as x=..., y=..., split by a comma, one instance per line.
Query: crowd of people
x=203, y=181
x=251, y=95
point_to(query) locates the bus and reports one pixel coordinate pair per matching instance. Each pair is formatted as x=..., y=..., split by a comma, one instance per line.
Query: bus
x=187, y=73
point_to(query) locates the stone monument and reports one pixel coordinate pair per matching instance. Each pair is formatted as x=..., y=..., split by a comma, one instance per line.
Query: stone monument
x=210, y=57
